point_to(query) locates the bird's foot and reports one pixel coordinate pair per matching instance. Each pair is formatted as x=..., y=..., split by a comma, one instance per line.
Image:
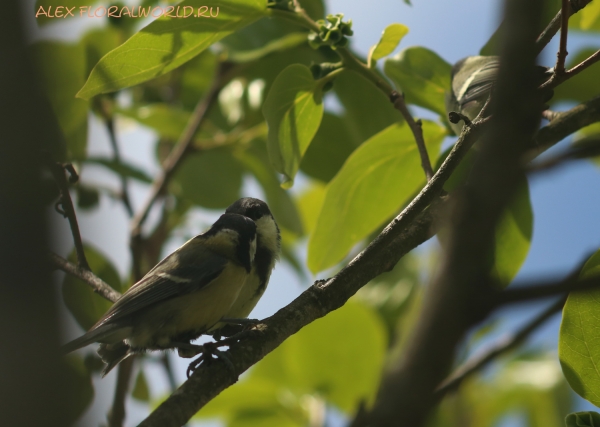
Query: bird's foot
x=209, y=350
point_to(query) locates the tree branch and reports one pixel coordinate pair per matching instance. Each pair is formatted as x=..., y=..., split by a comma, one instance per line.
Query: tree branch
x=68, y=210
x=554, y=25
x=97, y=284
x=503, y=345
x=562, y=53
x=177, y=154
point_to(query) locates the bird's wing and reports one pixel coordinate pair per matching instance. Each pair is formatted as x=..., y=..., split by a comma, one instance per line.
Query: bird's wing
x=170, y=278
x=480, y=83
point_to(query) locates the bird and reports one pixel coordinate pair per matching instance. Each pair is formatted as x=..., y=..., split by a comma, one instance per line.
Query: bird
x=182, y=297
x=268, y=247
x=472, y=80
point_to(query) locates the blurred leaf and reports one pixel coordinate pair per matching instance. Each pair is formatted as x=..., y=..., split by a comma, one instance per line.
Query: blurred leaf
x=422, y=76
x=197, y=76
x=78, y=383
x=389, y=41
x=46, y=10
x=166, y=44
x=579, y=338
x=310, y=202
x=62, y=68
x=587, y=19
x=374, y=183
x=293, y=111
x=583, y=86
x=98, y=42
x=586, y=135
x=140, y=388
x=168, y=121
x=283, y=43
x=211, y=179
x=366, y=109
x=513, y=235
x=583, y=419
x=121, y=169
x=323, y=359
x=86, y=305
x=256, y=160
x=87, y=197
x=329, y=149
x=264, y=419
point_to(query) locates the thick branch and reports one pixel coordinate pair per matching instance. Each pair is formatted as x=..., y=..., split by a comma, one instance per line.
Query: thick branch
x=503, y=345
x=97, y=284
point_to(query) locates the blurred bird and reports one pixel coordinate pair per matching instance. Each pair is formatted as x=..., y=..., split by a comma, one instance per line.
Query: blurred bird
x=472, y=80
x=182, y=297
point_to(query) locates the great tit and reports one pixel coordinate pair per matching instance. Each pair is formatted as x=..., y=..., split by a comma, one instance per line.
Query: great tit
x=181, y=298
x=268, y=243
x=472, y=80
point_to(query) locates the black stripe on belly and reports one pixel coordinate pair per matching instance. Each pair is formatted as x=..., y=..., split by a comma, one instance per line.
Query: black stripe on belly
x=263, y=262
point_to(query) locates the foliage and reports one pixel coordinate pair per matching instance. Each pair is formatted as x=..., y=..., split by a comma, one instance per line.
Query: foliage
x=333, y=178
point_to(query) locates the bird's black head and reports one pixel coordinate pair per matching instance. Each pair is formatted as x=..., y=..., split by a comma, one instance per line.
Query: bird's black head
x=243, y=231
x=250, y=207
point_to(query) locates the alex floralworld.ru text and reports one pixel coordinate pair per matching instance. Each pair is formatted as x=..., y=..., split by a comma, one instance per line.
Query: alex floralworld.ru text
x=130, y=12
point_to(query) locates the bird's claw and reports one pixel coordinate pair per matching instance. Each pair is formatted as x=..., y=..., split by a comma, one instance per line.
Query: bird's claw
x=208, y=351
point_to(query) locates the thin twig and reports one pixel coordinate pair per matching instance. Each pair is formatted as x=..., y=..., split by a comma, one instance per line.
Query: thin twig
x=176, y=155
x=68, y=210
x=97, y=284
x=503, y=345
x=554, y=25
x=562, y=53
x=110, y=126
x=417, y=130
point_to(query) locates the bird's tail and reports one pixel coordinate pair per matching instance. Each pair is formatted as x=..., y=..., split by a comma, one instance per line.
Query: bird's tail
x=98, y=334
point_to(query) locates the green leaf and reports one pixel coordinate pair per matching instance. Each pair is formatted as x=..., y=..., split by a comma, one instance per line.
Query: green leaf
x=374, y=183
x=513, y=236
x=211, y=179
x=168, y=121
x=329, y=149
x=422, y=76
x=583, y=86
x=323, y=359
x=389, y=41
x=122, y=169
x=588, y=135
x=86, y=305
x=283, y=43
x=62, y=68
x=167, y=43
x=579, y=338
x=140, y=389
x=310, y=202
x=293, y=111
x=98, y=42
x=87, y=197
x=366, y=109
x=256, y=160
x=583, y=419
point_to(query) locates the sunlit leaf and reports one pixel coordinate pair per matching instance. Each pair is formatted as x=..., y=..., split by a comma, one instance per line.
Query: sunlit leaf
x=310, y=202
x=167, y=43
x=86, y=305
x=422, y=76
x=374, y=183
x=587, y=19
x=343, y=371
x=329, y=149
x=293, y=111
x=389, y=41
x=366, y=109
x=579, y=338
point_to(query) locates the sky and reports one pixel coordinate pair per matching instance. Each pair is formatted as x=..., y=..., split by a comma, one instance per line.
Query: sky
x=565, y=200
